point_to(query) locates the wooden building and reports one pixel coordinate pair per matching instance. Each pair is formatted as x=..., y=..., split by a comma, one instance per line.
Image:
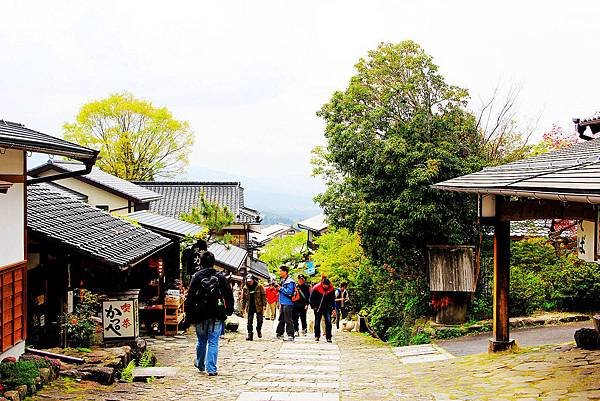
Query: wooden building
x=315, y=226
x=16, y=141
x=563, y=184
x=72, y=245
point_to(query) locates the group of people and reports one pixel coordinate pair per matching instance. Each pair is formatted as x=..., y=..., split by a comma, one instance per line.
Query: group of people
x=210, y=300
x=293, y=299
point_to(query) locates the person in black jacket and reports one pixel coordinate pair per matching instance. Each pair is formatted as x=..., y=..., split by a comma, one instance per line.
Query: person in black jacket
x=209, y=302
x=322, y=301
x=301, y=305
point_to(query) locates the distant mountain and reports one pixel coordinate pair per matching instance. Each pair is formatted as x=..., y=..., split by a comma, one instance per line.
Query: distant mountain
x=279, y=199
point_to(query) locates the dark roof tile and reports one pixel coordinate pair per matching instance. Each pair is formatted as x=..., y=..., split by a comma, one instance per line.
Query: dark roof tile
x=180, y=197
x=17, y=136
x=88, y=230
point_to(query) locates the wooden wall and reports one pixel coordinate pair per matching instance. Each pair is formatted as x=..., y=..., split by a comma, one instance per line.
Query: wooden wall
x=451, y=268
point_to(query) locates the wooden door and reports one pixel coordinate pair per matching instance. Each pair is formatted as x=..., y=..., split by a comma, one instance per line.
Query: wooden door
x=12, y=317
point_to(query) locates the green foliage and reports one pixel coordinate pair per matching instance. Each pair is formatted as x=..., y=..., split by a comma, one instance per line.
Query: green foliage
x=80, y=328
x=545, y=278
x=210, y=215
x=340, y=257
x=147, y=359
x=13, y=374
x=397, y=129
x=127, y=373
x=290, y=250
x=420, y=338
x=136, y=140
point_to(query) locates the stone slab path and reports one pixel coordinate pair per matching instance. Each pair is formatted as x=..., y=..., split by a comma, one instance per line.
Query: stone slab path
x=421, y=353
x=302, y=370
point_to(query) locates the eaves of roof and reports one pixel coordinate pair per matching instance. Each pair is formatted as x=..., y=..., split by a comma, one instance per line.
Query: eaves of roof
x=17, y=136
x=571, y=174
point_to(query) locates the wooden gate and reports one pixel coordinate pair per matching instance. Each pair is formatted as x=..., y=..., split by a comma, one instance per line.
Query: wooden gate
x=12, y=321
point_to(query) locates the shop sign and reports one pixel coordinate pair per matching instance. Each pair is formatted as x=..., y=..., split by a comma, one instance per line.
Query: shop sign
x=120, y=319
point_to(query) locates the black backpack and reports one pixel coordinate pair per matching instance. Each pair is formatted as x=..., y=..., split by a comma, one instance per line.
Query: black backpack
x=207, y=300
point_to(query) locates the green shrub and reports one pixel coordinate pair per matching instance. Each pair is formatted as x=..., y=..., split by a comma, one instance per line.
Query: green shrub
x=420, y=338
x=13, y=374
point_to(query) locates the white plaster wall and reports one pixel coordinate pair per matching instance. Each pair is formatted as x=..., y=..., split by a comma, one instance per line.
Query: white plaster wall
x=12, y=211
x=16, y=351
x=96, y=196
x=11, y=161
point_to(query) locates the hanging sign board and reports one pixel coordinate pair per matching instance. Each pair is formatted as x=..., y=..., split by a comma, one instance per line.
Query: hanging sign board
x=586, y=236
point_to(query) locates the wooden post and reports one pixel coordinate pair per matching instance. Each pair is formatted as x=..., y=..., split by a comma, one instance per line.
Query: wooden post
x=501, y=340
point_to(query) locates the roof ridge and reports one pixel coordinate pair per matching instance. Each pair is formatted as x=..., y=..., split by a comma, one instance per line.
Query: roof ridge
x=235, y=183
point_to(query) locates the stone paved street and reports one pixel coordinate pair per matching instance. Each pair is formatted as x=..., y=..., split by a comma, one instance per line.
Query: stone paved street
x=353, y=367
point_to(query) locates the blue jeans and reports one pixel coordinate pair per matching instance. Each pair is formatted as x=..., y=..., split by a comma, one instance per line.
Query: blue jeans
x=207, y=346
x=326, y=315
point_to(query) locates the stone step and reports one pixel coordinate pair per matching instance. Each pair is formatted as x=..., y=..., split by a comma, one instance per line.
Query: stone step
x=306, y=376
x=308, y=357
x=281, y=367
x=295, y=384
x=287, y=396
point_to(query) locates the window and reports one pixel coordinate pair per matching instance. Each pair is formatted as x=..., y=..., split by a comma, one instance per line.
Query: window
x=102, y=207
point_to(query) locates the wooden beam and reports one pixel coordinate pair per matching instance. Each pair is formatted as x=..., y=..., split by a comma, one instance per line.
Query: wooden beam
x=13, y=178
x=532, y=209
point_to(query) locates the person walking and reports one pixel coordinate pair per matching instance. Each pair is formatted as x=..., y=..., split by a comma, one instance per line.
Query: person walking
x=272, y=298
x=322, y=301
x=286, y=313
x=341, y=303
x=300, y=300
x=209, y=302
x=254, y=302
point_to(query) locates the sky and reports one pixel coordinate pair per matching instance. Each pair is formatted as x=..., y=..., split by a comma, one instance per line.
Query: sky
x=249, y=76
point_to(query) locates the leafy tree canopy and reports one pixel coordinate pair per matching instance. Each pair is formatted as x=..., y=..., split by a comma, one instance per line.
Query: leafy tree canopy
x=289, y=250
x=136, y=140
x=397, y=129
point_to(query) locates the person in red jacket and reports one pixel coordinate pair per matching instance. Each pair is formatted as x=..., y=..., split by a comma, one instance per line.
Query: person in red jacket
x=272, y=297
x=322, y=301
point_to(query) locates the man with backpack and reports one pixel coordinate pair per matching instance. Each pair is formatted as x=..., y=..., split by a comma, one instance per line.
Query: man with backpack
x=341, y=303
x=286, y=314
x=300, y=300
x=322, y=301
x=254, y=302
x=209, y=302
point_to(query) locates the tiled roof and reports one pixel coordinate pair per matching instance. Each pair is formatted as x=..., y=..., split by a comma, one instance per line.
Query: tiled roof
x=530, y=228
x=164, y=224
x=99, y=178
x=17, y=136
x=316, y=224
x=228, y=255
x=267, y=233
x=569, y=174
x=180, y=197
x=258, y=268
x=88, y=230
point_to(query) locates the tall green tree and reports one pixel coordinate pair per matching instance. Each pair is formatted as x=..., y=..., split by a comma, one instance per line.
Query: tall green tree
x=397, y=129
x=136, y=140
